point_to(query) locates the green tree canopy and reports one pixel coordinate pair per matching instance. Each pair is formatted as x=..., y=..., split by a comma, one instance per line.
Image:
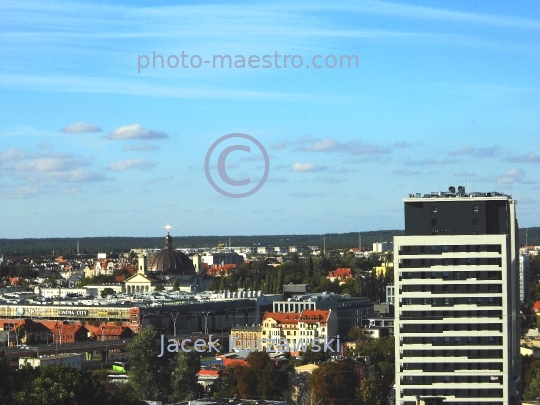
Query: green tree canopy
x=533, y=390
x=150, y=375
x=106, y=292
x=184, y=385
x=371, y=392
x=334, y=383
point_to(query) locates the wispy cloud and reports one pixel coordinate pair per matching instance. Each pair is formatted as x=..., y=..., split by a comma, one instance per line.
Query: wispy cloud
x=123, y=86
x=430, y=162
x=405, y=172
x=39, y=168
x=79, y=128
x=307, y=194
x=307, y=167
x=139, y=147
x=465, y=174
x=353, y=147
x=528, y=158
x=126, y=164
x=46, y=166
x=277, y=180
x=45, y=145
x=252, y=158
x=280, y=145
x=438, y=14
x=477, y=152
x=15, y=154
x=135, y=132
x=511, y=176
x=406, y=144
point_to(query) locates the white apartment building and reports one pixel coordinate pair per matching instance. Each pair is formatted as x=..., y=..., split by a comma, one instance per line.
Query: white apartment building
x=457, y=300
x=316, y=324
x=222, y=258
x=380, y=247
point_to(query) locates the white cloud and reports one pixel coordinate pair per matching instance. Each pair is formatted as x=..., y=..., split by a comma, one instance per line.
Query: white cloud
x=141, y=164
x=45, y=168
x=511, y=176
x=307, y=167
x=14, y=154
x=324, y=145
x=353, y=147
x=79, y=128
x=135, y=132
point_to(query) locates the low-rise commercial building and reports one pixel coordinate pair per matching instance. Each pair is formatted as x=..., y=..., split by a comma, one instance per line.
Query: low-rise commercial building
x=69, y=360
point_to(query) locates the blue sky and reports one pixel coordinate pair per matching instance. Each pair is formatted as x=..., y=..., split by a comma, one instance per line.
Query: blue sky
x=90, y=147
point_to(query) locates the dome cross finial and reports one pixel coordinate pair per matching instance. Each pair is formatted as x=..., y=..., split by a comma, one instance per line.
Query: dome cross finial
x=168, y=228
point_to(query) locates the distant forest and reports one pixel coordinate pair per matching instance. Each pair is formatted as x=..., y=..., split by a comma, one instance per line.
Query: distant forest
x=117, y=244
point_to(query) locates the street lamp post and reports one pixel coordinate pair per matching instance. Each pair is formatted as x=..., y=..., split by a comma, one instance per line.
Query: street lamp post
x=206, y=313
x=221, y=347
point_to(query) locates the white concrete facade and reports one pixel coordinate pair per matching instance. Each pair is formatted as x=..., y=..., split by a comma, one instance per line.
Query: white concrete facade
x=457, y=317
x=380, y=247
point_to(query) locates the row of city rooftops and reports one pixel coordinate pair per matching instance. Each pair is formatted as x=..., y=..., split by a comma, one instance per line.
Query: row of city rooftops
x=148, y=299
x=451, y=193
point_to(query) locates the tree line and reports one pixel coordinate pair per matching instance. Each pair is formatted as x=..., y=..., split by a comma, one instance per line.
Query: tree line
x=93, y=245
x=312, y=270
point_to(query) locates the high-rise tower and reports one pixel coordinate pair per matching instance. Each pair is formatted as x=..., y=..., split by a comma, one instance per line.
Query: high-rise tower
x=457, y=300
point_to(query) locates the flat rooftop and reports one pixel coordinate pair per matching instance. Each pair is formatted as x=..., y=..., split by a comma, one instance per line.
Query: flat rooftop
x=458, y=194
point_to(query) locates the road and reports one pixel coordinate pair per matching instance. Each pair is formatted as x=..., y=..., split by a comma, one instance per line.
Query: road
x=90, y=346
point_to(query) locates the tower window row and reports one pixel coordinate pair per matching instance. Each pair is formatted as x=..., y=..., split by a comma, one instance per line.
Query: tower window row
x=451, y=301
x=453, y=340
x=470, y=354
x=451, y=275
x=440, y=315
x=440, y=249
x=456, y=261
x=451, y=288
x=446, y=327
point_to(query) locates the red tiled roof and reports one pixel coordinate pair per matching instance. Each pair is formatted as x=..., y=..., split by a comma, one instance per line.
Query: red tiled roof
x=51, y=324
x=209, y=372
x=225, y=268
x=315, y=315
x=106, y=330
x=282, y=317
x=341, y=272
x=68, y=328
